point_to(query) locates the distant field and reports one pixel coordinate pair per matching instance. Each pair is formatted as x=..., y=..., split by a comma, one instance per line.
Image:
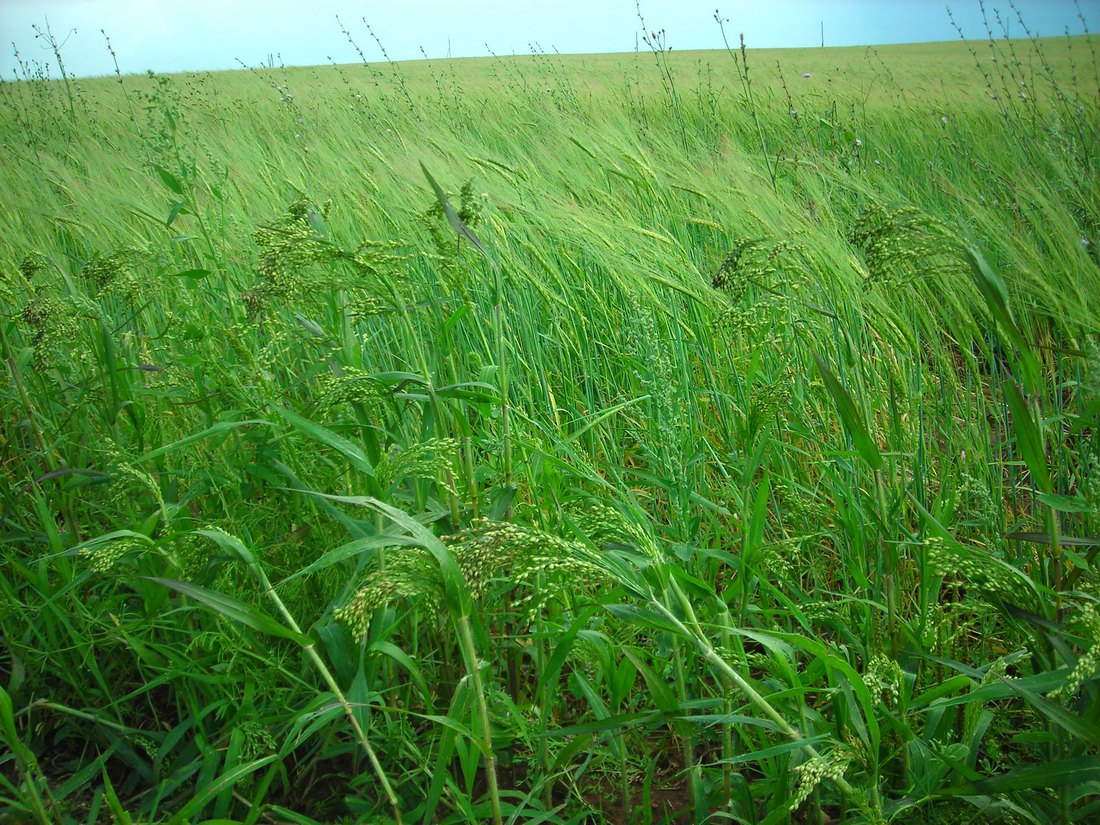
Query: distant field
x=936, y=73
x=651, y=438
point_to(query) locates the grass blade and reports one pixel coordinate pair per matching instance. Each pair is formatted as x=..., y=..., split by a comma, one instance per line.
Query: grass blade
x=850, y=416
x=232, y=609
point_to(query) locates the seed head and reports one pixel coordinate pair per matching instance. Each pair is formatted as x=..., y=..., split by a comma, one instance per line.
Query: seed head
x=103, y=556
x=811, y=773
x=1089, y=661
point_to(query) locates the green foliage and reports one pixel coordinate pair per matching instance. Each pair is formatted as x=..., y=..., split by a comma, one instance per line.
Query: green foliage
x=702, y=454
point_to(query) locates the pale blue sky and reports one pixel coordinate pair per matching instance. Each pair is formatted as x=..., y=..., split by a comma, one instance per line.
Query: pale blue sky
x=177, y=35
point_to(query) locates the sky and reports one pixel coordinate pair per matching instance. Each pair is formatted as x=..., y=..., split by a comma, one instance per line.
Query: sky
x=184, y=35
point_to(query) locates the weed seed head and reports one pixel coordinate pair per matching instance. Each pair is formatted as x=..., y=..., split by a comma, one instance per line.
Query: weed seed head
x=811, y=773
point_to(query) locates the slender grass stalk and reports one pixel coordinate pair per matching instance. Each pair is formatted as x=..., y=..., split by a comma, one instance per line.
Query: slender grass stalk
x=746, y=84
x=724, y=625
x=326, y=674
x=466, y=640
x=505, y=389
x=890, y=558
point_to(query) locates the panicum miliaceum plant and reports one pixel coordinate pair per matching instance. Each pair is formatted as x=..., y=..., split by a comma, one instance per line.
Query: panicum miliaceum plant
x=760, y=277
x=539, y=564
x=113, y=273
x=300, y=265
x=446, y=243
x=904, y=245
x=52, y=318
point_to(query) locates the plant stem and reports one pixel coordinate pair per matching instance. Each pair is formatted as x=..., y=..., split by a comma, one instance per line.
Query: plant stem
x=727, y=708
x=466, y=639
x=890, y=554
x=498, y=323
x=330, y=680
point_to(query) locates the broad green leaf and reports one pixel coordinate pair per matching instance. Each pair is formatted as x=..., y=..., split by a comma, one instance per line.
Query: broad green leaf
x=1062, y=773
x=226, y=780
x=768, y=753
x=456, y=316
x=554, y=664
x=456, y=592
x=355, y=456
x=995, y=293
x=723, y=719
x=850, y=416
x=402, y=658
x=107, y=538
x=445, y=750
x=642, y=617
x=307, y=724
x=169, y=180
x=312, y=327
x=293, y=817
x=122, y=816
x=353, y=526
x=477, y=392
x=945, y=688
x=230, y=544
x=80, y=780
x=351, y=550
x=233, y=609
x=1044, y=538
x=659, y=689
x=599, y=709
x=1029, y=440
x=7, y=718
x=997, y=691
x=603, y=415
x=193, y=274
x=1065, y=504
x=833, y=660
x=456, y=726
x=1079, y=727
x=216, y=429
x=617, y=722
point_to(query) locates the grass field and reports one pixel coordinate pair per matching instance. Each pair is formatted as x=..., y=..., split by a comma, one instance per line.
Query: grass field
x=642, y=438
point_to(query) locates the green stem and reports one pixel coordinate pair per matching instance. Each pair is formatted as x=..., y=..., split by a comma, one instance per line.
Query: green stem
x=441, y=421
x=891, y=560
x=471, y=479
x=543, y=699
x=1055, y=579
x=330, y=680
x=743, y=74
x=690, y=765
x=498, y=322
x=727, y=709
x=466, y=639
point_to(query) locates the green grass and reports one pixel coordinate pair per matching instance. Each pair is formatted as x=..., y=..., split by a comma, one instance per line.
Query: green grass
x=555, y=439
